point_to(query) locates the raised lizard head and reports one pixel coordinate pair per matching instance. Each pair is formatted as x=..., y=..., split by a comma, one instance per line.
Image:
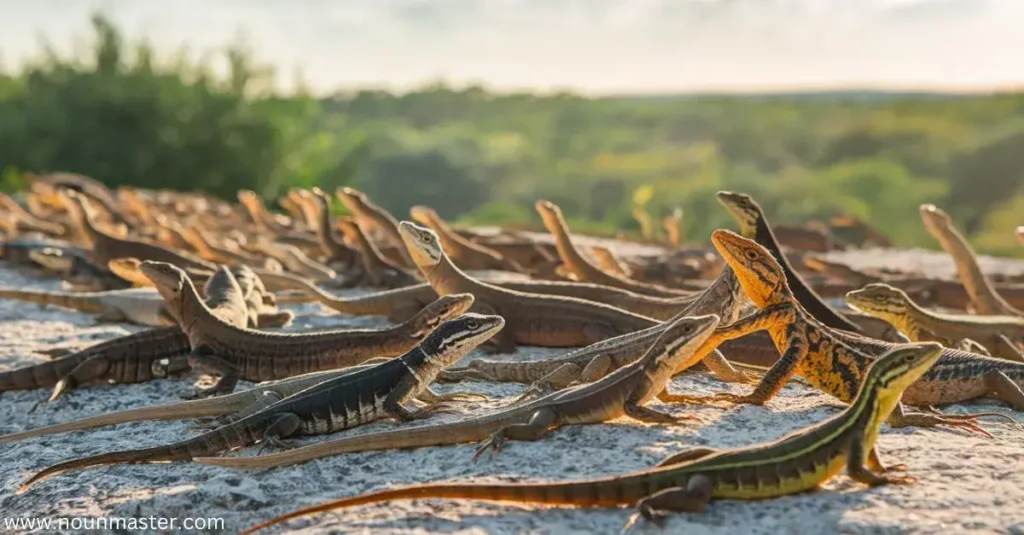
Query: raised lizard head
x=894, y=371
x=169, y=280
x=1020, y=233
x=455, y=338
x=934, y=217
x=759, y=273
x=744, y=209
x=423, y=245
x=53, y=258
x=549, y=211
x=680, y=340
x=353, y=199
x=441, y=310
x=880, y=299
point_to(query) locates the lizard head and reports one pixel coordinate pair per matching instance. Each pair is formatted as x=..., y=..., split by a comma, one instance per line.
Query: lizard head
x=353, y=199
x=744, y=209
x=897, y=369
x=879, y=299
x=168, y=278
x=1020, y=233
x=53, y=258
x=549, y=211
x=455, y=338
x=441, y=310
x=423, y=245
x=934, y=218
x=681, y=338
x=758, y=272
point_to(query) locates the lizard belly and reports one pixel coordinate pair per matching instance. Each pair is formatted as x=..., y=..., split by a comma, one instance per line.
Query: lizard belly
x=802, y=481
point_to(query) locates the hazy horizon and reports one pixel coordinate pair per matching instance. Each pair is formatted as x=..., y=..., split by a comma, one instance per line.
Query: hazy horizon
x=589, y=46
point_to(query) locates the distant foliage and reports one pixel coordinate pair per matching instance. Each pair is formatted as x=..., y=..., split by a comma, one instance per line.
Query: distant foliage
x=124, y=114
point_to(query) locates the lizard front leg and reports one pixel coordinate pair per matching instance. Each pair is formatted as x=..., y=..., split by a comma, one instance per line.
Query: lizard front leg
x=775, y=378
x=536, y=428
x=901, y=418
x=855, y=466
x=203, y=358
x=429, y=396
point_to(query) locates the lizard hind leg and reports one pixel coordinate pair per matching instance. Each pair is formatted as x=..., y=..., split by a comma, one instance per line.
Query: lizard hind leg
x=1005, y=389
x=283, y=426
x=203, y=358
x=692, y=499
x=540, y=423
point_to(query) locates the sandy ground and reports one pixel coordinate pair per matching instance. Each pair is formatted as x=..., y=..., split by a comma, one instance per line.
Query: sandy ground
x=966, y=483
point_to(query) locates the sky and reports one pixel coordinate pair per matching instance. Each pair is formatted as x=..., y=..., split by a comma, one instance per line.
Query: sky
x=590, y=46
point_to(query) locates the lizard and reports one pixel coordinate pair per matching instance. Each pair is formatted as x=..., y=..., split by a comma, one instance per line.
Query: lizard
x=238, y=353
x=608, y=261
x=234, y=405
x=979, y=288
x=327, y=407
x=378, y=218
x=998, y=334
x=465, y=253
x=835, y=362
x=105, y=247
x=133, y=358
x=141, y=306
x=723, y=298
x=673, y=227
x=532, y=319
x=28, y=221
x=75, y=268
x=51, y=184
x=296, y=261
x=686, y=481
x=202, y=243
x=377, y=270
x=580, y=266
x=754, y=225
x=336, y=252
x=1020, y=233
x=624, y=392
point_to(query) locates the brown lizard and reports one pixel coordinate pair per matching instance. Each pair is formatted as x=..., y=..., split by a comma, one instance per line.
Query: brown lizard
x=237, y=353
x=133, y=358
x=531, y=319
x=624, y=392
x=465, y=253
x=377, y=270
x=378, y=218
x=979, y=288
x=580, y=266
x=105, y=247
x=337, y=252
x=141, y=306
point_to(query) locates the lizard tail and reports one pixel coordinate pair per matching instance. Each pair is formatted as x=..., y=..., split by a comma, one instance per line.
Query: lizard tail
x=81, y=303
x=148, y=455
x=581, y=493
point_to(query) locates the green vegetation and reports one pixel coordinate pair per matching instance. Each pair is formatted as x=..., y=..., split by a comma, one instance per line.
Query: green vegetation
x=126, y=115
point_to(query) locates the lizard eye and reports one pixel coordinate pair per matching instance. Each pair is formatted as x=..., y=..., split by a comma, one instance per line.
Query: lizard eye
x=752, y=255
x=472, y=324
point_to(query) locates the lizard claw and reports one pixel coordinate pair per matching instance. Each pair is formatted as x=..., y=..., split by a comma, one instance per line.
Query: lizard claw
x=736, y=398
x=897, y=468
x=493, y=443
x=896, y=480
x=647, y=513
x=462, y=396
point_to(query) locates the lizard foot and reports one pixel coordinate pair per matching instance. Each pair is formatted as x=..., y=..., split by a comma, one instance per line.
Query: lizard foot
x=963, y=422
x=275, y=443
x=683, y=398
x=894, y=480
x=647, y=513
x=736, y=398
x=462, y=396
x=493, y=443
